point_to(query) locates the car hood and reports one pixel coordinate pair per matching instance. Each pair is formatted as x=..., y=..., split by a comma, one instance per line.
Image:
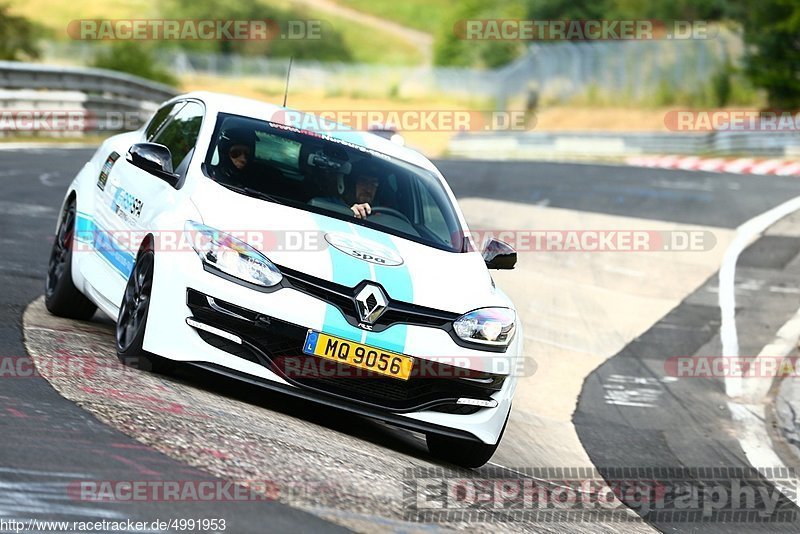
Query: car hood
x=348, y=253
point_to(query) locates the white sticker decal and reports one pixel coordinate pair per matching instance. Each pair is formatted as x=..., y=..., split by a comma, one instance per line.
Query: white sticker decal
x=364, y=249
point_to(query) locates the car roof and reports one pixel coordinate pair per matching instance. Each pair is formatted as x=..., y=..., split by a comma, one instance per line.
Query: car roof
x=248, y=107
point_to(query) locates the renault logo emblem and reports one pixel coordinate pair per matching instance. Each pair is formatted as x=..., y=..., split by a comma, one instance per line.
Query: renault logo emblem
x=371, y=303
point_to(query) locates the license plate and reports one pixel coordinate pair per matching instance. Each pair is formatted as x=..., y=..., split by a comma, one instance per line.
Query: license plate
x=358, y=355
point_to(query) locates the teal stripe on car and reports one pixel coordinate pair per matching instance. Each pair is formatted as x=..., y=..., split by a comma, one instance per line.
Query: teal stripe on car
x=398, y=285
x=345, y=270
x=350, y=271
x=84, y=228
x=120, y=259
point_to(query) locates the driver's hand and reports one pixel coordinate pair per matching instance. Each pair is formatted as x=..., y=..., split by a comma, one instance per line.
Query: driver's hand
x=361, y=210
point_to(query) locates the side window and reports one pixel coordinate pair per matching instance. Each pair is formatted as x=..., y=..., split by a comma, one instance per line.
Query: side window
x=158, y=120
x=432, y=217
x=180, y=134
x=278, y=150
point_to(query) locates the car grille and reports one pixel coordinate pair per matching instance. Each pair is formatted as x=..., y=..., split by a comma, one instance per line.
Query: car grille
x=343, y=298
x=277, y=345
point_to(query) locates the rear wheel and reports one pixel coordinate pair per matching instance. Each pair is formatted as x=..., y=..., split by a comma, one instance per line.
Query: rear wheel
x=462, y=452
x=61, y=297
x=133, y=313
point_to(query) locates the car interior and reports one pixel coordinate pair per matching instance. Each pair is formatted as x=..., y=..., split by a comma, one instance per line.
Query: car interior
x=320, y=174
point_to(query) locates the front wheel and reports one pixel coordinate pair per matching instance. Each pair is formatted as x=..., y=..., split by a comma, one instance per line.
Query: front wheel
x=132, y=319
x=462, y=452
x=61, y=297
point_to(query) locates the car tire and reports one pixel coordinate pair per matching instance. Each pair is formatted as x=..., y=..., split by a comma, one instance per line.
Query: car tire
x=462, y=452
x=133, y=313
x=61, y=297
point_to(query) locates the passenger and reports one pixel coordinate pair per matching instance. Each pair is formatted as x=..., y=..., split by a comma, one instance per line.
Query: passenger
x=236, y=148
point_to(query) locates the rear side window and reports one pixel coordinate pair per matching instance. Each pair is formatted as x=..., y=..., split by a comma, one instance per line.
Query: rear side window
x=432, y=218
x=278, y=150
x=180, y=134
x=158, y=120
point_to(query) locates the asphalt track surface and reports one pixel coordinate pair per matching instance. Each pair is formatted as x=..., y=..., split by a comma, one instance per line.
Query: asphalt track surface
x=46, y=441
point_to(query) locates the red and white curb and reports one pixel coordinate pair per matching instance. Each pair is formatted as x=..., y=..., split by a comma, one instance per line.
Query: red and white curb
x=777, y=167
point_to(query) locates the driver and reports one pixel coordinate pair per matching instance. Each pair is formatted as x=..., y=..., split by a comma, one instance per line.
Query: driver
x=358, y=197
x=236, y=147
x=366, y=187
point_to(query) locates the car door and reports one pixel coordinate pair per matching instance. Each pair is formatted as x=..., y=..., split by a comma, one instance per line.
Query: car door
x=132, y=198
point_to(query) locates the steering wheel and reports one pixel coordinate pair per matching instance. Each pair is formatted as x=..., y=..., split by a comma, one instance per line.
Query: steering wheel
x=390, y=211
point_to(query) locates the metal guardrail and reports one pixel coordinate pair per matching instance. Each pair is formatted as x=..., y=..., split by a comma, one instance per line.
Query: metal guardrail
x=555, y=145
x=108, y=101
x=14, y=75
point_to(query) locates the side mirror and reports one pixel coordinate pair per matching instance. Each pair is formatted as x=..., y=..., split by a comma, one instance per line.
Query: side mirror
x=154, y=159
x=499, y=255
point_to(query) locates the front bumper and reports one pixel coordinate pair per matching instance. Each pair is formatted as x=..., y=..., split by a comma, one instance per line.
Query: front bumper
x=278, y=346
x=272, y=328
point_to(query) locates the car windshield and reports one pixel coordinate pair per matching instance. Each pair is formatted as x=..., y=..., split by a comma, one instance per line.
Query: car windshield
x=326, y=175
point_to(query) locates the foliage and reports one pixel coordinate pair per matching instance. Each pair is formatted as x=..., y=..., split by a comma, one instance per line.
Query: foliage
x=451, y=49
x=17, y=36
x=330, y=46
x=772, y=60
x=134, y=57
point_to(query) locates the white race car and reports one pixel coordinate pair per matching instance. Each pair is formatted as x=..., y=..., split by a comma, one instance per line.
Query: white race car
x=330, y=264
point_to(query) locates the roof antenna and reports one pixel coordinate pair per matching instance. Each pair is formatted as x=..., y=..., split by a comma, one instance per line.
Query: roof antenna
x=288, y=72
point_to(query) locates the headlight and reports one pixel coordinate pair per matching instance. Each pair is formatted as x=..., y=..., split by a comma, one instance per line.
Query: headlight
x=221, y=252
x=487, y=326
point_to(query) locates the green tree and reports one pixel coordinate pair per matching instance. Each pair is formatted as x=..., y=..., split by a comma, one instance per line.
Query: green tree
x=452, y=49
x=137, y=58
x=772, y=59
x=329, y=46
x=565, y=9
x=698, y=10
x=17, y=36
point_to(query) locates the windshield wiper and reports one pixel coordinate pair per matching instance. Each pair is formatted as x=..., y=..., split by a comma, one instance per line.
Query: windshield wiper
x=249, y=191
